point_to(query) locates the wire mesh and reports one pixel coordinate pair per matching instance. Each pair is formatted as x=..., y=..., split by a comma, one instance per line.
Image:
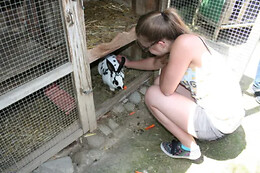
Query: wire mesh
x=28, y=124
x=32, y=41
x=220, y=20
x=227, y=24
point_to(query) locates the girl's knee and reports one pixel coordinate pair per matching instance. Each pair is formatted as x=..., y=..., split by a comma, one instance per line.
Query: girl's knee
x=156, y=81
x=151, y=93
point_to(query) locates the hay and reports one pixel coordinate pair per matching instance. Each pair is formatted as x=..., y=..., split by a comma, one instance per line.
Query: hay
x=104, y=19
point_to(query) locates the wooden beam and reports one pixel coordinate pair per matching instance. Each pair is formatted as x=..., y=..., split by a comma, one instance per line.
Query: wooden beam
x=119, y=41
x=34, y=85
x=163, y=4
x=76, y=38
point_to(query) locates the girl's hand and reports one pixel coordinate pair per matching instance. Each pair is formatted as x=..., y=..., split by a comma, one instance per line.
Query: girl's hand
x=160, y=62
x=119, y=59
x=164, y=60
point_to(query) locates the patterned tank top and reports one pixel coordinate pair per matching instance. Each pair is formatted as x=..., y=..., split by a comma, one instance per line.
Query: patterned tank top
x=216, y=90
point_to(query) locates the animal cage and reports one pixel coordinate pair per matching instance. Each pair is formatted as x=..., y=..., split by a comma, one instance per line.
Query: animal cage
x=45, y=87
x=229, y=26
x=47, y=48
x=220, y=18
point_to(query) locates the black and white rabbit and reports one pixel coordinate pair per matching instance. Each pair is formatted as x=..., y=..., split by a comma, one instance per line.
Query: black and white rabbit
x=112, y=72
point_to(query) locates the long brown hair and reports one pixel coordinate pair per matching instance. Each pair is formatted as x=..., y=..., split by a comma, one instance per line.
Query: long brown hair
x=158, y=25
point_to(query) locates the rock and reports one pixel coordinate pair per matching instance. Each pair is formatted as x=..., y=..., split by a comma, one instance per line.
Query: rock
x=95, y=141
x=135, y=98
x=105, y=129
x=87, y=157
x=125, y=101
x=118, y=108
x=143, y=90
x=129, y=106
x=112, y=124
x=72, y=148
x=61, y=165
x=95, y=155
x=79, y=158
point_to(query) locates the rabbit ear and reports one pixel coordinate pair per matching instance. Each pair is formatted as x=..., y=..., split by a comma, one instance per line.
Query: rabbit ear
x=110, y=65
x=121, y=65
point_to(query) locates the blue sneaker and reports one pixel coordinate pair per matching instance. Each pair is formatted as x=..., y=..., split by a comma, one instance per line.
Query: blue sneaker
x=173, y=149
x=252, y=90
x=257, y=97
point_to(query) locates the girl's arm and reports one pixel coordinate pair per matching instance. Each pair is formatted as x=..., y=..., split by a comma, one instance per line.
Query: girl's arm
x=151, y=63
x=181, y=57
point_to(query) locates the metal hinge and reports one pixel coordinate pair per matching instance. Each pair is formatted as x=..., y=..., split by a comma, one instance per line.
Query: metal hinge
x=86, y=91
x=81, y=3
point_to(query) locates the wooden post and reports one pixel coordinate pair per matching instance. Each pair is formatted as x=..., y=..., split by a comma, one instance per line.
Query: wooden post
x=144, y=6
x=163, y=4
x=76, y=38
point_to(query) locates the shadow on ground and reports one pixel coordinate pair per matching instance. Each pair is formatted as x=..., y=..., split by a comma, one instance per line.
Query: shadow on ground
x=229, y=147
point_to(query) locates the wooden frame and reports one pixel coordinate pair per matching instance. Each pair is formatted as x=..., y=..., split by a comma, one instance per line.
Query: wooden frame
x=119, y=41
x=79, y=67
x=76, y=35
x=224, y=22
x=34, y=85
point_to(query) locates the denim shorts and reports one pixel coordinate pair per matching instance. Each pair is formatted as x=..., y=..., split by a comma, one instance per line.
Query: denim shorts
x=203, y=127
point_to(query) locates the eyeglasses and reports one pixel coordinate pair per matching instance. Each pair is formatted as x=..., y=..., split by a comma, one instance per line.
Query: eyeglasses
x=145, y=49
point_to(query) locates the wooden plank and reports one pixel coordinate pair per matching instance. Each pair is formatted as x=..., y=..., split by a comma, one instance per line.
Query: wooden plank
x=76, y=36
x=133, y=86
x=34, y=85
x=144, y=6
x=227, y=12
x=242, y=11
x=49, y=149
x=236, y=25
x=119, y=41
x=151, y=5
x=139, y=7
x=163, y=4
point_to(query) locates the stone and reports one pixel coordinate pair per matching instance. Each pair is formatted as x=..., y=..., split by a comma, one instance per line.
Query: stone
x=112, y=124
x=143, y=90
x=105, y=129
x=125, y=101
x=129, y=106
x=61, y=165
x=95, y=141
x=87, y=157
x=119, y=108
x=79, y=158
x=135, y=97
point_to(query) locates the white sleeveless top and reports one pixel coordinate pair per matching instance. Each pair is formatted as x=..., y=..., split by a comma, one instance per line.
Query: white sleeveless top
x=216, y=90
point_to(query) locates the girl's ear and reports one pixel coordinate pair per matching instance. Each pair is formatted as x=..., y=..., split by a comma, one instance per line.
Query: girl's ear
x=162, y=43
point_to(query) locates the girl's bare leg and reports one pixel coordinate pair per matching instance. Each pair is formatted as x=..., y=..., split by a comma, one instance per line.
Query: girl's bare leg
x=174, y=112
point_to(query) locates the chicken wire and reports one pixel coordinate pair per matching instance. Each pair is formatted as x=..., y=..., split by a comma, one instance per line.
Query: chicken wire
x=228, y=21
x=227, y=26
x=32, y=41
x=28, y=124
